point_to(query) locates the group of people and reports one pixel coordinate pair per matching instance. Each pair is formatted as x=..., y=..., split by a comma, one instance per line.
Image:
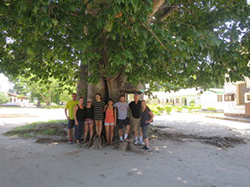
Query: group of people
x=135, y=116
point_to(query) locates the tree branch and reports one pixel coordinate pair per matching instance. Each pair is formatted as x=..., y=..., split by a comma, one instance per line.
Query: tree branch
x=152, y=32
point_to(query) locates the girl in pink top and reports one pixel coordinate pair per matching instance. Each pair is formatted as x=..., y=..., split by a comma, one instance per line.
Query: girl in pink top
x=110, y=122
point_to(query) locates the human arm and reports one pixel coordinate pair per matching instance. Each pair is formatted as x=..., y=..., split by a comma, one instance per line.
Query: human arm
x=151, y=117
x=115, y=115
x=66, y=113
x=75, y=110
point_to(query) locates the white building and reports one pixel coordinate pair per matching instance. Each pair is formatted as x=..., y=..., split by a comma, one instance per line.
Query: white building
x=237, y=98
x=211, y=98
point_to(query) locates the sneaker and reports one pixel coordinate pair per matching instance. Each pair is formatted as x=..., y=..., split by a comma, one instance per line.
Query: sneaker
x=121, y=140
x=70, y=141
x=145, y=148
x=136, y=142
x=141, y=142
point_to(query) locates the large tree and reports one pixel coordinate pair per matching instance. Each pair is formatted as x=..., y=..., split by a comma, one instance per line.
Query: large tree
x=111, y=45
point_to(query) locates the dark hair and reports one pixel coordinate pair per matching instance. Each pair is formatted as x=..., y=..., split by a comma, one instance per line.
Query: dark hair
x=110, y=100
x=98, y=94
x=122, y=96
x=74, y=94
x=81, y=98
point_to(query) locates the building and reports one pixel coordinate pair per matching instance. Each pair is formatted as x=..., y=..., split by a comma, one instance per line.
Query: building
x=237, y=98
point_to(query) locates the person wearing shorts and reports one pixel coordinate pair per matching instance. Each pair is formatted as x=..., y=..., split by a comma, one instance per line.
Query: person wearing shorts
x=69, y=112
x=135, y=117
x=122, y=119
x=110, y=119
x=88, y=123
x=146, y=118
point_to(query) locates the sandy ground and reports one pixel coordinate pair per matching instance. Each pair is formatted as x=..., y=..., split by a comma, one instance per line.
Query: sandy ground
x=172, y=163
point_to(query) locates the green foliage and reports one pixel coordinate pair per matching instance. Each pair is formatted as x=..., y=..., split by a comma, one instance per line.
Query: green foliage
x=168, y=109
x=48, y=92
x=4, y=98
x=156, y=112
x=179, y=108
x=211, y=109
x=160, y=108
x=195, y=45
x=192, y=102
x=30, y=130
x=194, y=107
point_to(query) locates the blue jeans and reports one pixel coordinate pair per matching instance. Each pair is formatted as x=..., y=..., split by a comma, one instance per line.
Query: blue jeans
x=79, y=130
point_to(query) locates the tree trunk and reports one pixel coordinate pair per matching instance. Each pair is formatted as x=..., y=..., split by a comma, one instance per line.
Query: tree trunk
x=82, y=84
x=110, y=87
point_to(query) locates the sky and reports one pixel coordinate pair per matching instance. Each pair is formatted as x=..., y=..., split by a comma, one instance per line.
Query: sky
x=5, y=85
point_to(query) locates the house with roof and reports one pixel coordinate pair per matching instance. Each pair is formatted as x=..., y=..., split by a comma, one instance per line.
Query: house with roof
x=237, y=98
x=211, y=98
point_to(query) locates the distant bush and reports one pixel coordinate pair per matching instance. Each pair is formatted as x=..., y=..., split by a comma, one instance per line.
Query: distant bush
x=192, y=102
x=179, y=109
x=168, y=109
x=155, y=111
x=160, y=108
x=197, y=107
x=4, y=98
x=211, y=109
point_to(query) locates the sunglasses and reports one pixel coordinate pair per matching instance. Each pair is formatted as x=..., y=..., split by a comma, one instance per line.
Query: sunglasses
x=89, y=102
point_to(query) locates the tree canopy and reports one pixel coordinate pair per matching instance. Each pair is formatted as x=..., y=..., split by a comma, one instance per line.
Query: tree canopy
x=171, y=43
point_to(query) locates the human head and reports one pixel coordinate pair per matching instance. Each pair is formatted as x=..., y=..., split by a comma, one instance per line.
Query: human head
x=136, y=96
x=122, y=98
x=143, y=103
x=74, y=95
x=110, y=102
x=81, y=100
x=89, y=101
x=97, y=96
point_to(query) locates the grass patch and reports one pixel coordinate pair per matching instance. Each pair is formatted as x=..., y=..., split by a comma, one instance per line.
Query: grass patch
x=46, y=128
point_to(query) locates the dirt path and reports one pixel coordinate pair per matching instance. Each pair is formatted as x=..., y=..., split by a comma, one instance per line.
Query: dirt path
x=173, y=163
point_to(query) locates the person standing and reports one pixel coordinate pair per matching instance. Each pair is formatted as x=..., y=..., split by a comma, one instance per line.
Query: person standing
x=135, y=117
x=79, y=120
x=69, y=112
x=98, y=113
x=146, y=118
x=122, y=120
x=110, y=120
x=89, y=123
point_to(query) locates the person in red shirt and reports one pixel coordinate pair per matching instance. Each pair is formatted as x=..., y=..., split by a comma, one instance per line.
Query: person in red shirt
x=110, y=121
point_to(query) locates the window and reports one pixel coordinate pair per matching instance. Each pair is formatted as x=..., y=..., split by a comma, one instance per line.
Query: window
x=247, y=97
x=229, y=97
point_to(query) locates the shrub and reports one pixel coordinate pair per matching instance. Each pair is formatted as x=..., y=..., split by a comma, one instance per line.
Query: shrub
x=211, y=109
x=168, y=109
x=179, y=109
x=160, y=108
x=4, y=98
x=156, y=112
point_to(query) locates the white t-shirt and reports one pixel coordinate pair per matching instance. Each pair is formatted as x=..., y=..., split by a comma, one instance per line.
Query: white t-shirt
x=122, y=109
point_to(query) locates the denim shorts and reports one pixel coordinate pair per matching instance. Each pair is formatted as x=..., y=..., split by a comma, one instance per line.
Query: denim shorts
x=71, y=123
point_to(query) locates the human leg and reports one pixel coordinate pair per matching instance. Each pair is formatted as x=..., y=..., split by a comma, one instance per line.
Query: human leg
x=111, y=133
x=145, y=137
x=90, y=132
x=120, y=126
x=107, y=131
x=86, y=131
x=71, y=124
